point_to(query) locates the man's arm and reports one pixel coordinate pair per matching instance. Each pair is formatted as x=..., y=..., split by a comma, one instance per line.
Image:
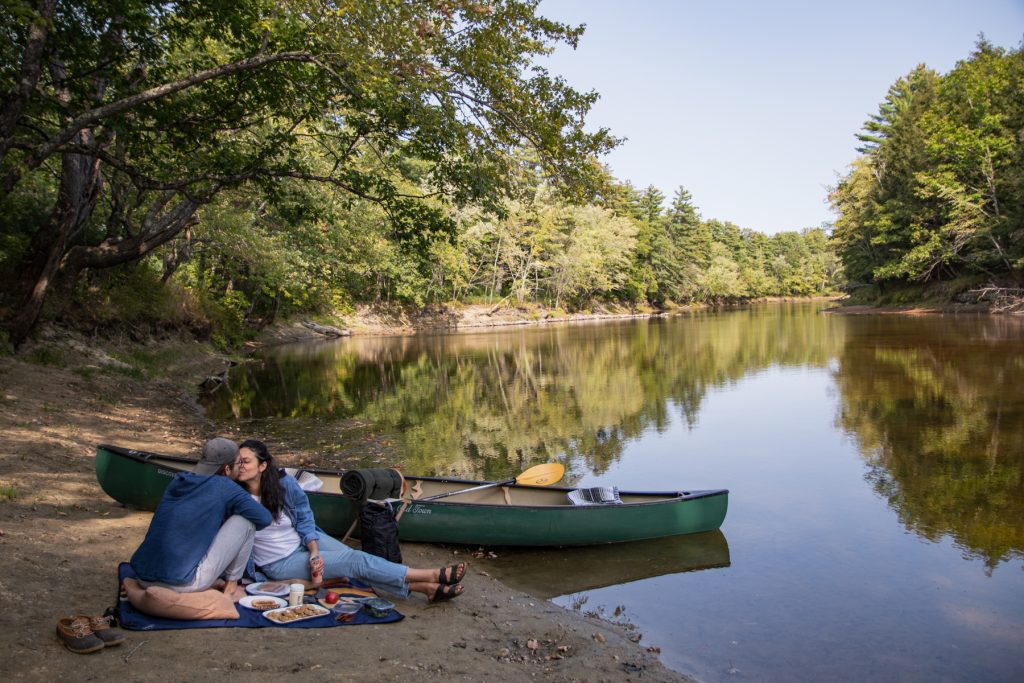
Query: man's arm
x=243, y=504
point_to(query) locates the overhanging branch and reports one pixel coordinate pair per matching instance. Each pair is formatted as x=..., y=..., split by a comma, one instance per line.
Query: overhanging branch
x=94, y=116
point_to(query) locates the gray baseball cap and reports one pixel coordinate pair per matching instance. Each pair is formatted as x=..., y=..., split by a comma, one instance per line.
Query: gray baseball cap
x=216, y=454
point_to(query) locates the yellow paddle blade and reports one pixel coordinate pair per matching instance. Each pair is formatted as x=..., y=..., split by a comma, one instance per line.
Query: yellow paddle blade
x=541, y=475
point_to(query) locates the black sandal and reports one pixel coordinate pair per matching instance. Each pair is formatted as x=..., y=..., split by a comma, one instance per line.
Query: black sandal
x=446, y=592
x=452, y=574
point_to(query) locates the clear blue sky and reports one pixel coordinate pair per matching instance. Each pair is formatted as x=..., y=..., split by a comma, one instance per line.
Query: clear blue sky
x=753, y=105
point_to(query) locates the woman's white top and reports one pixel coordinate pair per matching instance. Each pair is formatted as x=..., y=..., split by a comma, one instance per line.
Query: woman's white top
x=275, y=542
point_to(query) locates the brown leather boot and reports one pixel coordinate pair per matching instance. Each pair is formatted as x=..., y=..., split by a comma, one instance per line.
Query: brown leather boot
x=101, y=627
x=77, y=636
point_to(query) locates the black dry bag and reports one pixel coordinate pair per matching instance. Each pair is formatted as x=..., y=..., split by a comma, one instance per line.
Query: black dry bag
x=379, y=531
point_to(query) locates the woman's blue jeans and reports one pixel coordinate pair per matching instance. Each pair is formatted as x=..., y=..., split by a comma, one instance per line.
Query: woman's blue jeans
x=342, y=561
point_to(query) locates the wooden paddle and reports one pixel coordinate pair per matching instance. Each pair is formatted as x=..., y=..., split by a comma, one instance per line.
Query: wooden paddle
x=538, y=475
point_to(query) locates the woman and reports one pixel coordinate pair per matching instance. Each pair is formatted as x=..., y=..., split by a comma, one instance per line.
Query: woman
x=292, y=546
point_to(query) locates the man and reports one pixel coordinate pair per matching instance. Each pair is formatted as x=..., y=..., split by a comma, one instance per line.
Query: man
x=203, y=527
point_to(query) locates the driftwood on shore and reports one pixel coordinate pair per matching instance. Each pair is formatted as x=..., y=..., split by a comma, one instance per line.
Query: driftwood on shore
x=215, y=381
x=325, y=330
x=1000, y=299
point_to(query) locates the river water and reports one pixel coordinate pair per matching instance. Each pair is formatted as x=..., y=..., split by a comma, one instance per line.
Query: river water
x=875, y=465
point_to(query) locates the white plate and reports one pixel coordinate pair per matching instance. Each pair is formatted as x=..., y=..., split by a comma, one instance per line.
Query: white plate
x=320, y=611
x=257, y=589
x=249, y=599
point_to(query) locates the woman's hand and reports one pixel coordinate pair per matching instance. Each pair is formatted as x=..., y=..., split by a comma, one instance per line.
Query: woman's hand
x=316, y=569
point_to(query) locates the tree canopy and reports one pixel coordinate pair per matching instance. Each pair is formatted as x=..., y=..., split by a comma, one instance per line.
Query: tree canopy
x=248, y=159
x=122, y=118
x=938, y=191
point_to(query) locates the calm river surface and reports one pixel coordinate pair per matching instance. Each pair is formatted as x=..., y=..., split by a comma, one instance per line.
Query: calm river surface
x=876, y=468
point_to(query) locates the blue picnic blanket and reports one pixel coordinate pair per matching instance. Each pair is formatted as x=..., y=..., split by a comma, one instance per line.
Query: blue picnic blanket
x=134, y=620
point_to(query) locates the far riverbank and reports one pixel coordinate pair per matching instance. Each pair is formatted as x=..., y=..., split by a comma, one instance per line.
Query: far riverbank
x=367, y=320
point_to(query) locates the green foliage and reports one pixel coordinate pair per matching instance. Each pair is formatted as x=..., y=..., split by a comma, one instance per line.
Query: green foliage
x=906, y=294
x=45, y=354
x=19, y=213
x=227, y=317
x=309, y=251
x=385, y=152
x=683, y=258
x=86, y=372
x=409, y=106
x=938, y=192
x=132, y=295
x=721, y=280
x=8, y=494
x=596, y=252
x=145, y=364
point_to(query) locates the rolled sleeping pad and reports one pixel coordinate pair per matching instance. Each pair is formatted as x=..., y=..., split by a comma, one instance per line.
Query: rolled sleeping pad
x=372, y=484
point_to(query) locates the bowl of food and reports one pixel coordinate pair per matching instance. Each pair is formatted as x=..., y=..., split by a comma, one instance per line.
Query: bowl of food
x=346, y=607
x=378, y=607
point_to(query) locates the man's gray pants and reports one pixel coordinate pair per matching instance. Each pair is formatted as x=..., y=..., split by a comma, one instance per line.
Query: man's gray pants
x=227, y=557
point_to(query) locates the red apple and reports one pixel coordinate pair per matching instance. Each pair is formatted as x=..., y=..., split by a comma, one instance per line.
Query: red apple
x=331, y=598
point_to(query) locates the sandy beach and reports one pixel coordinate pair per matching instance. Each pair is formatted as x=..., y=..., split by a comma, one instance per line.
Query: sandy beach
x=61, y=539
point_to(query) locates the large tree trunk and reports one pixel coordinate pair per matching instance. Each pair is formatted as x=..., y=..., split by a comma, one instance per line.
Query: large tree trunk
x=51, y=252
x=15, y=99
x=79, y=189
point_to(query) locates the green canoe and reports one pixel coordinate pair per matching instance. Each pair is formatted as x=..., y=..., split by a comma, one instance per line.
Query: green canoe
x=506, y=516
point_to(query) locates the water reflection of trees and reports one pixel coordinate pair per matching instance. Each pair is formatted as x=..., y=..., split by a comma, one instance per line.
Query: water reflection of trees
x=491, y=404
x=939, y=416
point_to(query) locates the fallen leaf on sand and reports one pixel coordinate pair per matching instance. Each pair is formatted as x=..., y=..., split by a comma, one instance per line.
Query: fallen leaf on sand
x=599, y=638
x=532, y=644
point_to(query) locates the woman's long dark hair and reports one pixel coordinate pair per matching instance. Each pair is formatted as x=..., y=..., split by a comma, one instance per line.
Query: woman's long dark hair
x=271, y=491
